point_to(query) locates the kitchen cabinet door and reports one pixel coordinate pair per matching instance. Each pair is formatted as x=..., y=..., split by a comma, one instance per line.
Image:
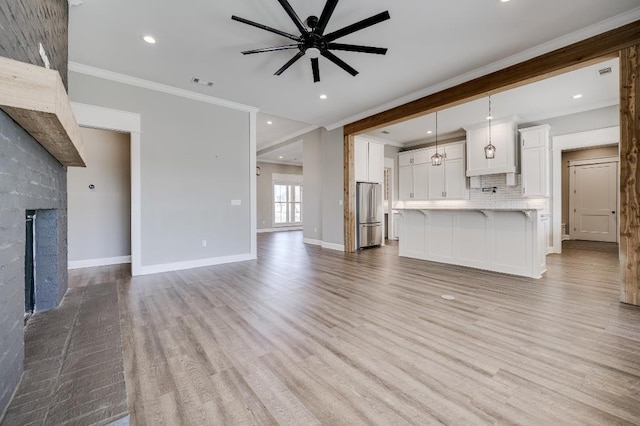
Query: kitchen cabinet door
x=376, y=162
x=420, y=176
x=405, y=184
x=535, y=161
x=361, y=159
x=455, y=180
x=436, y=181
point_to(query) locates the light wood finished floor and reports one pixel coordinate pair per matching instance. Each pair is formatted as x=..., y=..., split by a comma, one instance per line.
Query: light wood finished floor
x=309, y=336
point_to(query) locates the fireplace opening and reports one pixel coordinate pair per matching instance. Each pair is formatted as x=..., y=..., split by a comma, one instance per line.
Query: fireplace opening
x=29, y=265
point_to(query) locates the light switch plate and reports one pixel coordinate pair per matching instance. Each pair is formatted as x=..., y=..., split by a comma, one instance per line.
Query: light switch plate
x=236, y=202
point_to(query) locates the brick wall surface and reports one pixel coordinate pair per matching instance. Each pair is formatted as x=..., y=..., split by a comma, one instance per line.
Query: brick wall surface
x=24, y=24
x=30, y=178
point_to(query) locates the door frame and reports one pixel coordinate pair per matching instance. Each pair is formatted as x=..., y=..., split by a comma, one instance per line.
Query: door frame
x=578, y=163
x=126, y=122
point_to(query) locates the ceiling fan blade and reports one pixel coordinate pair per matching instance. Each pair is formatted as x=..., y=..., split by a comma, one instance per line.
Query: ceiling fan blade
x=365, y=23
x=356, y=48
x=292, y=14
x=288, y=64
x=271, y=49
x=339, y=62
x=329, y=7
x=264, y=27
x=316, y=70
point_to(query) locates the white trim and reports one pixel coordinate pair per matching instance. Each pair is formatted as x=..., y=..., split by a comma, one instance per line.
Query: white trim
x=589, y=139
x=383, y=141
x=560, y=42
x=285, y=163
x=111, y=119
x=566, y=237
x=573, y=163
x=90, y=263
x=198, y=263
x=158, y=87
x=312, y=241
x=331, y=246
x=281, y=229
x=253, y=182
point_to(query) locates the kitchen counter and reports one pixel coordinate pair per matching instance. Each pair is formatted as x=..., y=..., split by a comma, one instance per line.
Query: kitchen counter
x=509, y=240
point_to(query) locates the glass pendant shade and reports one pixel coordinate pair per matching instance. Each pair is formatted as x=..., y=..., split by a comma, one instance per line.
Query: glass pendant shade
x=490, y=151
x=436, y=159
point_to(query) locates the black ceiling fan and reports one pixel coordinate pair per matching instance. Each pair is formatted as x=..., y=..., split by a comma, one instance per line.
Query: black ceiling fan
x=313, y=41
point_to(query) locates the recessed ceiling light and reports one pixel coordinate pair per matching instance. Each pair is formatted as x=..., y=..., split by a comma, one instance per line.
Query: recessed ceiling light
x=489, y=117
x=504, y=1
x=429, y=132
x=269, y=122
x=323, y=96
x=577, y=96
x=149, y=39
x=281, y=157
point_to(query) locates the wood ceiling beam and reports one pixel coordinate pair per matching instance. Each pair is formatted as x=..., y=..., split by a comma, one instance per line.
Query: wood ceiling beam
x=577, y=55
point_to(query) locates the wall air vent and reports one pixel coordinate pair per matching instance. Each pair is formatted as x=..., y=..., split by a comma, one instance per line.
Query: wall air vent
x=202, y=82
x=604, y=71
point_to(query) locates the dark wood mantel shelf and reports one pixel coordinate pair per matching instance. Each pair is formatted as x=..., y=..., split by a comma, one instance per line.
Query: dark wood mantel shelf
x=37, y=100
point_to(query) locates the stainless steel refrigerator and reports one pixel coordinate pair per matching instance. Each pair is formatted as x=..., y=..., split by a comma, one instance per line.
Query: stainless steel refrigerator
x=369, y=213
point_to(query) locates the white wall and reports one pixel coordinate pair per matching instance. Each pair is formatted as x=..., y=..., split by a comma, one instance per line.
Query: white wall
x=312, y=175
x=265, y=191
x=99, y=220
x=195, y=159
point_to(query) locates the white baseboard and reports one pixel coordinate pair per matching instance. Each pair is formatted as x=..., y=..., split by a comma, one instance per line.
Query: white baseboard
x=331, y=246
x=284, y=228
x=90, y=263
x=312, y=241
x=323, y=244
x=566, y=237
x=190, y=264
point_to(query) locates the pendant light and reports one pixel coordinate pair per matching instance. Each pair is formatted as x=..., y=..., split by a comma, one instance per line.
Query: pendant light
x=490, y=149
x=436, y=159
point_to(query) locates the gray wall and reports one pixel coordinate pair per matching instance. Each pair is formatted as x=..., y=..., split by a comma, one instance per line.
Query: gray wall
x=265, y=191
x=30, y=178
x=195, y=160
x=102, y=214
x=312, y=175
x=26, y=23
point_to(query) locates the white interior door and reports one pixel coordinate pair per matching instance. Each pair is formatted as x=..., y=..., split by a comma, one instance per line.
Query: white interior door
x=594, y=200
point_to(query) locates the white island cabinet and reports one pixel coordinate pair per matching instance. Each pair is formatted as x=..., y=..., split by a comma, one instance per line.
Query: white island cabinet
x=511, y=241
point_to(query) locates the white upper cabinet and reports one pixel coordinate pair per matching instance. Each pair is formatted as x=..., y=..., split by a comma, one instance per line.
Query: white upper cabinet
x=419, y=180
x=503, y=137
x=534, y=145
x=447, y=181
x=413, y=175
x=369, y=161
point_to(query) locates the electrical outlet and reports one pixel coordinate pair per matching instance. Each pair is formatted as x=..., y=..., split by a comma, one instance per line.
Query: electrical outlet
x=264, y=222
x=315, y=229
x=339, y=202
x=204, y=243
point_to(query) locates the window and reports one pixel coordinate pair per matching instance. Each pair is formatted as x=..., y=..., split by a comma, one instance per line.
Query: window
x=287, y=204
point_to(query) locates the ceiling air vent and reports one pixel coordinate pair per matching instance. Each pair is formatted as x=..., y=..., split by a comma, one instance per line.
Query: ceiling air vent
x=604, y=71
x=202, y=82
x=384, y=132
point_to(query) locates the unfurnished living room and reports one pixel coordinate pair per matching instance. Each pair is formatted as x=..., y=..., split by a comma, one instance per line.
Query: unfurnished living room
x=319, y=212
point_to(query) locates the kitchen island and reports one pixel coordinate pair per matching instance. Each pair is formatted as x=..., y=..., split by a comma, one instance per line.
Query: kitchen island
x=508, y=240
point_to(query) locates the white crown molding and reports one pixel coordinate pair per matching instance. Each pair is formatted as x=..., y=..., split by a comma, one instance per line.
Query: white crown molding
x=558, y=43
x=158, y=87
x=90, y=263
x=284, y=163
x=289, y=137
x=199, y=263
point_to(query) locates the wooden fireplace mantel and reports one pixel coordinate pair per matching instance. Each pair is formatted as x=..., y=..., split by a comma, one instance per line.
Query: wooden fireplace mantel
x=37, y=100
